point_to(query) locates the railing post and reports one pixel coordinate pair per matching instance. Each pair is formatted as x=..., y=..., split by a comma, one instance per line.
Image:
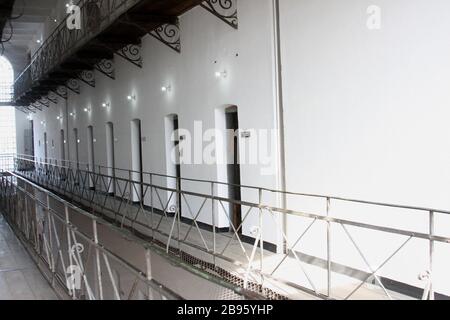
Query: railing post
x=178, y=217
x=130, y=187
x=261, y=238
x=328, y=249
x=50, y=239
x=152, y=206
x=149, y=272
x=431, y=254
x=213, y=213
x=97, y=262
x=69, y=246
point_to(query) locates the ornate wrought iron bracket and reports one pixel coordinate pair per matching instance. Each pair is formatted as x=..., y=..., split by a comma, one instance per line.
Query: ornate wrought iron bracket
x=37, y=105
x=61, y=91
x=106, y=67
x=225, y=10
x=24, y=109
x=73, y=85
x=169, y=34
x=131, y=53
x=44, y=101
x=51, y=96
x=88, y=77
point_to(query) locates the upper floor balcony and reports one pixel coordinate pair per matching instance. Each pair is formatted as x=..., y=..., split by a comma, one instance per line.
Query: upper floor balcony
x=93, y=32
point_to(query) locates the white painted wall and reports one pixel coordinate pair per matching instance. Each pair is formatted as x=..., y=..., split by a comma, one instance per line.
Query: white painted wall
x=366, y=117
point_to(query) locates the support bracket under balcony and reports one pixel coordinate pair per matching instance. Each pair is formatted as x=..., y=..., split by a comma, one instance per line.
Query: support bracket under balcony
x=131, y=53
x=88, y=77
x=73, y=85
x=52, y=97
x=61, y=91
x=44, y=101
x=24, y=109
x=225, y=10
x=106, y=66
x=36, y=105
x=169, y=34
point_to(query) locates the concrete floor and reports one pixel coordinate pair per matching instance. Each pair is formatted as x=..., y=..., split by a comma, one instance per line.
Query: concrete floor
x=20, y=279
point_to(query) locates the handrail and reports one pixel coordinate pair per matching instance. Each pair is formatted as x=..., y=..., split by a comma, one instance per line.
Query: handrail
x=311, y=195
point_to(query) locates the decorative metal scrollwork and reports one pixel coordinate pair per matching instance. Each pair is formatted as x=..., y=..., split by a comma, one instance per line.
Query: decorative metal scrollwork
x=88, y=77
x=61, y=91
x=131, y=53
x=45, y=102
x=169, y=34
x=25, y=110
x=73, y=85
x=52, y=97
x=106, y=67
x=225, y=10
x=97, y=16
x=36, y=105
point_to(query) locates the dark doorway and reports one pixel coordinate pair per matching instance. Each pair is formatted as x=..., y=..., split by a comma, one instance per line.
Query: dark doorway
x=45, y=147
x=75, y=143
x=62, y=147
x=136, y=161
x=233, y=166
x=177, y=157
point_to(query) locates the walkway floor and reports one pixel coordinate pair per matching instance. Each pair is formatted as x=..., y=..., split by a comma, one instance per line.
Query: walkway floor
x=20, y=279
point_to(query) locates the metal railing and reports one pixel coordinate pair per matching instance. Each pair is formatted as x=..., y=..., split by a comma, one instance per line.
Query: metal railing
x=78, y=262
x=95, y=16
x=340, y=245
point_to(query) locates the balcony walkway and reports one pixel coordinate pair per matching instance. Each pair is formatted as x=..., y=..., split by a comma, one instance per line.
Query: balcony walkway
x=289, y=272
x=20, y=279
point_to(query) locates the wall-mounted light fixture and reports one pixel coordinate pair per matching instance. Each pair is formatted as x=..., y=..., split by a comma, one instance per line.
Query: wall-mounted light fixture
x=43, y=123
x=87, y=109
x=59, y=117
x=221, y=74
x=131, y=97
x=38, y=41
x=106, y=105
x=72, y=114
x=78, y=141
x=166, y=88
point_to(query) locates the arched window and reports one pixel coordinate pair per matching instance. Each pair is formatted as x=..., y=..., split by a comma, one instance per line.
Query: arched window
x=7, y=114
